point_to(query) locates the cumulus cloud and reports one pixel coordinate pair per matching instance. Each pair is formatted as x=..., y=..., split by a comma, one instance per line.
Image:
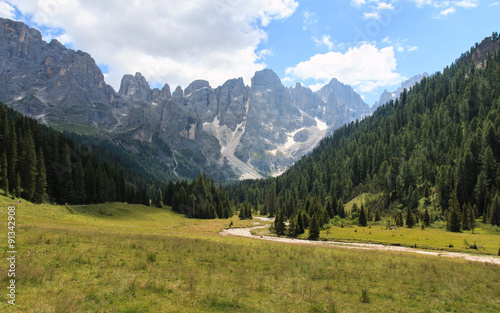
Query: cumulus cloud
x=6, y=10
x=167, y=41
x=365, y=68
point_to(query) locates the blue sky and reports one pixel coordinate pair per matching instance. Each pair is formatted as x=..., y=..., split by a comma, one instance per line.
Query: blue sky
x=370, y=44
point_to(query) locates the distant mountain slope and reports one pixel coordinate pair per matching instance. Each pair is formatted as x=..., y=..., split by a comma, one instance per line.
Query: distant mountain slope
x=230, y=132
x=388, y=96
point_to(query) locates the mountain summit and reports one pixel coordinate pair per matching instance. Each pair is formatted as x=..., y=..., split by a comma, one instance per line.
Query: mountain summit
x=231, y=131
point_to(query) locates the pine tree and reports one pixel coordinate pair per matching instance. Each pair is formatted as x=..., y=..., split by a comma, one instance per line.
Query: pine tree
x=495, y=210
x=14, y=179
x=362, y=217
x=472, y=218
x=4, y=173
x=465, y=216
x=80, y=184
x=314, y=229
x=300, y=224
x=399, y=219
x=426, y=218
x=90, y=183
x=410, y=219
x=453, y=220
x=41, y=180
x=28, y=168
x=158, y=199
x=279, y=223
x=249, y=211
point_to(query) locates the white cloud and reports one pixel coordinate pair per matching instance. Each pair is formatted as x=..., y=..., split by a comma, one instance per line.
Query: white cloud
x=447, y=12
x=325, y=40
x=413, y=48
x=421, y=3
x=401, y=49
x=167, y=41
x=358, y=3
x=375, y=7
x=365, y=68
x=6, y=10
x=468, y=4
x=371, y=15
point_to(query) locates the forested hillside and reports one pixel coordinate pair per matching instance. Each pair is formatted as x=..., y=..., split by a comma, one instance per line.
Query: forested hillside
x=40, y=164
x=433, y=154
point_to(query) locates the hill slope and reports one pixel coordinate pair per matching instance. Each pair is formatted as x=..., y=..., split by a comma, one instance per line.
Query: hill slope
x=436, y=147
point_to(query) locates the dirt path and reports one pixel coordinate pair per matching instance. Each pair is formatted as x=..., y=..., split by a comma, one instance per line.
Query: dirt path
x=246, y=232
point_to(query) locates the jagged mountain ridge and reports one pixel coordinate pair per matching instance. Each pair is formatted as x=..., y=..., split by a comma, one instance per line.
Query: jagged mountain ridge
x=232, y=131
x=387, y=96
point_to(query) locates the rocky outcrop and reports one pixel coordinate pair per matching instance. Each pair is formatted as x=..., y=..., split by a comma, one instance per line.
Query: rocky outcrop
x=48, y=80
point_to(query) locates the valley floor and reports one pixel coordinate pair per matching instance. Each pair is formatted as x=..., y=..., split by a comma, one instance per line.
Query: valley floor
x=117, y=257
x=247, y=232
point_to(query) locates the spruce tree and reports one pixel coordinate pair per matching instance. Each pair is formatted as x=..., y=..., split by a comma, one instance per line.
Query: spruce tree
x=279, y=223
x=300, y=224
x=41, y=180
x=80, y=184
x=465, y=216
x=427, y=218
x=158, y=199
x=410, y=219
x=314, y=229
x=4, y=173
x=28, y=168
x=453, y=219
x=495, y=210
x=90, y=184
x=362, y=217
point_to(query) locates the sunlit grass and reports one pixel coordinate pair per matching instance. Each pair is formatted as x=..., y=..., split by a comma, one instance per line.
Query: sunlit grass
x=131, y=258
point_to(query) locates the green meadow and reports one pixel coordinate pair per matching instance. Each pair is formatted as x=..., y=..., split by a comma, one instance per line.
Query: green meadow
x=117, y=257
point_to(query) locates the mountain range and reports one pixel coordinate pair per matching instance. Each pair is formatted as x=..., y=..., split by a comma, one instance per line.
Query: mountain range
x=233, y=131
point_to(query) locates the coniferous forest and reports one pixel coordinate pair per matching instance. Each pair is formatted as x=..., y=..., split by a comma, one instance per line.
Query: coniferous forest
x=40, y=164
x=433, y=154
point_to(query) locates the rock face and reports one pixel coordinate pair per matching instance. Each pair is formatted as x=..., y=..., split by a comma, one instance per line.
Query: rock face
x=51, y=82
x=229, y=132
x=388, y=96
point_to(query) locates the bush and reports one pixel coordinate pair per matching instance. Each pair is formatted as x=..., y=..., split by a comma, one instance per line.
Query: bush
x=151, y=257
x=364, y=296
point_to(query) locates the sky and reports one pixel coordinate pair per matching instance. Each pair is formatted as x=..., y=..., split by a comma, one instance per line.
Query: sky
x=371, y=45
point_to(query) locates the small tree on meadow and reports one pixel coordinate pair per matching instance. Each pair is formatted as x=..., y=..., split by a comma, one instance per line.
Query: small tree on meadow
x=362, y=217
x=314, y=228
x=279, y=223
x=453, y=221
x=426, y=218
x=410, y=218
x=495, y=210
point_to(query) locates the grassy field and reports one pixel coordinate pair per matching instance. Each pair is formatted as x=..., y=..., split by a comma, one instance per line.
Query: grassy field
x=130, y=258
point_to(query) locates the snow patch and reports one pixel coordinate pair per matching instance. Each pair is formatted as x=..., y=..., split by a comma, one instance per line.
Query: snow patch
x=320, y=124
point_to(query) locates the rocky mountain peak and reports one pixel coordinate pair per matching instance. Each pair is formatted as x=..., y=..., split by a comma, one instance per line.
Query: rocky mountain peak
x=196, y=85
x=178, y=93
x=136, y=87
x=265, y=79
